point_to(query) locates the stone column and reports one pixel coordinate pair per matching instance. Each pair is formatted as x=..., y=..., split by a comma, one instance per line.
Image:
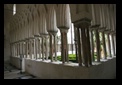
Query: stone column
x=11, y=49
x=51, y=51
x=104, y=45
x=30, y=43
x=34, y=40
x=26, y=49
x=84, y=42
x=109, y=46
x=36, y=47
x=42, y=48
x=76, y=48
x=22, y=48
x=71, y=39
x=46, y=47
x=98, y=44
x=55, y=50
x=79, y=47
x=102, y=30
x=64, y=45
x=18, y=49
x=88, y=46
x=14, y=49
x=33, y=57
x=29, y=49
x=113, y=45
x=96, y=28
x=39, y=48
x=84, y=46
x=115, y=42
x=92, y=45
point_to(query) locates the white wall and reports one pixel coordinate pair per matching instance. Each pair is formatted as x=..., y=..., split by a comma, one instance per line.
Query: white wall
x=106, y=70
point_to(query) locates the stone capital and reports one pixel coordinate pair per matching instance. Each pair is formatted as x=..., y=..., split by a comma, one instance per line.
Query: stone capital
x=102, y=29
x=64, y=30
x=84, y=23
x=52, y=32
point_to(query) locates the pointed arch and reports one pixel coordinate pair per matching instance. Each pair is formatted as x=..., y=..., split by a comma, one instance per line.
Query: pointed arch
x=42, y=8
x=63, y=15
x=51, y=19
x=42, y=19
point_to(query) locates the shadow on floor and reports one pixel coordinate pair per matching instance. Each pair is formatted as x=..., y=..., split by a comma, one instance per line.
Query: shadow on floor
x=11, y=72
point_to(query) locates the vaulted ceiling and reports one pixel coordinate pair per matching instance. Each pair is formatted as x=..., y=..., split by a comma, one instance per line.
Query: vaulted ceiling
x=8, y=11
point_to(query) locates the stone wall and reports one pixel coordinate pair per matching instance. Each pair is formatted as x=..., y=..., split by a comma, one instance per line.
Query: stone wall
x=106, y=70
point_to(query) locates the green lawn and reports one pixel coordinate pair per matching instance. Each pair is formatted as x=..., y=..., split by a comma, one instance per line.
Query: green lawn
x=72, y=57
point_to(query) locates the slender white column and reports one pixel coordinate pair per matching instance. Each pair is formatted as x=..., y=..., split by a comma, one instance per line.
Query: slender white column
x=76, y=47
x=55, y=47
x=104, y=45
x=37, y=47
x=109, y=46
x=96, y=15
x=15, y=50
x=63, y=23
x=42, y=48
x=80, y=59
x=34, y=48
x=26, y=49
x=46, y=48
x=115, y=43
x=92, y=45
x=51, y=51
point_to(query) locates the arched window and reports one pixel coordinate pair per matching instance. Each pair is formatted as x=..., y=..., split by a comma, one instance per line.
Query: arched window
x=14, y=9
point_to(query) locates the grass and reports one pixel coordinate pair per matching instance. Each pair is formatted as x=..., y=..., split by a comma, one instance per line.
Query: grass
x=72, y=57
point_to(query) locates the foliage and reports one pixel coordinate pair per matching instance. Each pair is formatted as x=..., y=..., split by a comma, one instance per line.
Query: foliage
x=72, y=57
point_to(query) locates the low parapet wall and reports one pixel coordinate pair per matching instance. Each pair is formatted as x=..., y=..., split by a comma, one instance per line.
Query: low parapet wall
x=106, y=70
x=44, y=70
x=15, y=61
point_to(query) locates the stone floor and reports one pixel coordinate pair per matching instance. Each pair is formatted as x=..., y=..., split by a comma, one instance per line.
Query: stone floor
x=10, y=72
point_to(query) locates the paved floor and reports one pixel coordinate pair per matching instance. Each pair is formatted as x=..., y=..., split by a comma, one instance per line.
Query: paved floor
x=10, y=72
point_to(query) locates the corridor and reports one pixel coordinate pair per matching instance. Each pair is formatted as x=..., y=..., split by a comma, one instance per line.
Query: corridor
x=11, y=72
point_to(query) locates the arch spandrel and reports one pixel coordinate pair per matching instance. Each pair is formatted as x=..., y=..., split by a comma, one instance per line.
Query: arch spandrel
x=79, y=12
